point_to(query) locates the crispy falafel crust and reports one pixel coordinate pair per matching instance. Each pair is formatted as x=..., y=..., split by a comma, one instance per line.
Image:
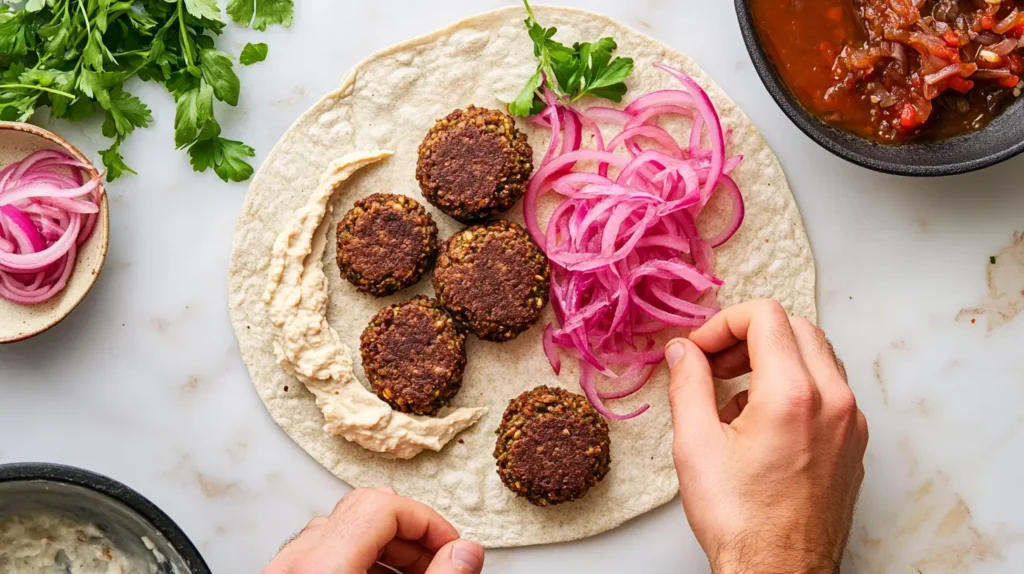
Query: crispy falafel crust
x=552, y=447
x=493, y=279
x=474, y=164
x=386, y=242
x=414, y=356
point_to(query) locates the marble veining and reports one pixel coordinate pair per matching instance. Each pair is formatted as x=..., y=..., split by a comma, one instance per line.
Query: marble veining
x=144, y=382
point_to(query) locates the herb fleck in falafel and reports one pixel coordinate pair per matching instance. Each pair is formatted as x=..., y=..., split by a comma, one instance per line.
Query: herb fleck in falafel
x=414, y=356
x=493, y=279
x=474, y=164
x=552, y=446
x=386, y=242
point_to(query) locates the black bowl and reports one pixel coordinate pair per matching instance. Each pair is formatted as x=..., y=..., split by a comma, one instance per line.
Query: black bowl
x=999, y=141
x=122, y=514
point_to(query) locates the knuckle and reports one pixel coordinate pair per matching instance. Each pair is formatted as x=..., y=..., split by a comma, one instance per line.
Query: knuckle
x=862, y=426
x=356, y=498
x=802, y=400
x=770, y=307
x=844, y=406
x=802, y=324
x=305, y=565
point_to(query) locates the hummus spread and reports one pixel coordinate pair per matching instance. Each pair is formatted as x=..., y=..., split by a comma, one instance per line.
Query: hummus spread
x=309, y=348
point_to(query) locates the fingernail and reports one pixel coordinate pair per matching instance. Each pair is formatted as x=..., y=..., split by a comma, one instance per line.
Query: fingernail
x=674, y=353
x=468, y=557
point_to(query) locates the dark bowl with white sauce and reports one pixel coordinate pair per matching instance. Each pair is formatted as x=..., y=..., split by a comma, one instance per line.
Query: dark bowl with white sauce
x=60, y=517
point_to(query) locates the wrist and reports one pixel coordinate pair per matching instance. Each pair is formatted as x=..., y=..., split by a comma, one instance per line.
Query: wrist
x=752, y=553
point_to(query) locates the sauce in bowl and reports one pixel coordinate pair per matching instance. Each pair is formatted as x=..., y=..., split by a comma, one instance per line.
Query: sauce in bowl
x=897, y=70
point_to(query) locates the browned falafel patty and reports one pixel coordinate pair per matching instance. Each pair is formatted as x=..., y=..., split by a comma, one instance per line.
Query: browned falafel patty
x=552, y=446
x=474, y=164
x=414, y=356
x=493, y=279
x=386, y=242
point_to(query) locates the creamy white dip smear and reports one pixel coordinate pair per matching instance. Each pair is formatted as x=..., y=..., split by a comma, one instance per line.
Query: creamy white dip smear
x=47, y=544
x=307, y=346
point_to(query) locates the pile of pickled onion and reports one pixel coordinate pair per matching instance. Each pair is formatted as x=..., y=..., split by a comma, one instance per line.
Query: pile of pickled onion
x=628, y=261
x=48, y=209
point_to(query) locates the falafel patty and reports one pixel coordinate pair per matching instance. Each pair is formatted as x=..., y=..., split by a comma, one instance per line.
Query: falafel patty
x=474, y=164
x=386, y=242
x=414, y=356
x=493, y=279
x=552, y=446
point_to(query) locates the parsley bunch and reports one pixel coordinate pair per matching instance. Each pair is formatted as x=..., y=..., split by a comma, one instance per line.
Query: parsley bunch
x=74, y=56
x=586, y=69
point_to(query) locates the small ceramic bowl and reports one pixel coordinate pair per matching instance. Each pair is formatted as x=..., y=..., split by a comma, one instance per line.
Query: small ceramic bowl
x=997, y=142
x=139, y=531
x=19, y=322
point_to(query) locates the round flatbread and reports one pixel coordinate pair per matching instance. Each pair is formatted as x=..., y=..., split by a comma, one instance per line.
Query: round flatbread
x=390, y=101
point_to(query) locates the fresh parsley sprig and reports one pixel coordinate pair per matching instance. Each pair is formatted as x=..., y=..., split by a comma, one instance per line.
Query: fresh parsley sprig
x=586, y=69
x=75, y=56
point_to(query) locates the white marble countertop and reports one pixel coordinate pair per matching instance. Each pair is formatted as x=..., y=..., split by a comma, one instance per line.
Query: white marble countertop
x=144, y=382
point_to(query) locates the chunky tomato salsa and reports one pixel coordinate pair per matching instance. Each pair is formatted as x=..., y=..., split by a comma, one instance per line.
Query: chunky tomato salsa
x=898, y=70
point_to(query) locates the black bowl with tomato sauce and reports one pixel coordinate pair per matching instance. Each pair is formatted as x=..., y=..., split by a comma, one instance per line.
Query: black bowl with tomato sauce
x=894, y=109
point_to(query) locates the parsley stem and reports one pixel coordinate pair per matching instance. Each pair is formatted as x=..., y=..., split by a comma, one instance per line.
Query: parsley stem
x=44, y=89
x=184, y=38
x=85, y=16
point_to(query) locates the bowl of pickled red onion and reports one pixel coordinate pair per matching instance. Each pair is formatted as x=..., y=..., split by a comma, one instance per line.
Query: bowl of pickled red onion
x=54, y=229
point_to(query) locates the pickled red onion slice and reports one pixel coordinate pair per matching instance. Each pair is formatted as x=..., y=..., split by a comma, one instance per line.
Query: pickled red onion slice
x=48, y=209
x=628, y=261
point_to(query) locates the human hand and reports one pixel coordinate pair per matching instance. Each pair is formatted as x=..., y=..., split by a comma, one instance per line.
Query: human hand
x=370, y=528
x=769, y=484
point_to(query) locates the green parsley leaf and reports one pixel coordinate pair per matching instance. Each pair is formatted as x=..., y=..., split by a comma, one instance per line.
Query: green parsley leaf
x=992, y=260
x=79, y=110
x=75, y=56
x=126, y=113
x=193, y=116
x=14, y=39
x=226, y=157
x=253, y=53
x=261, y=13
x=93, y=54
x=586, y=69
x=218, y=72
x=114, y=161
x=207, y=9
x=523, y=104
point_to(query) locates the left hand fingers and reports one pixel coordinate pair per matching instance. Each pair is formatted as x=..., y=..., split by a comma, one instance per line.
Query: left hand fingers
x=406, y=557
x=361, y=530
x=367, y=520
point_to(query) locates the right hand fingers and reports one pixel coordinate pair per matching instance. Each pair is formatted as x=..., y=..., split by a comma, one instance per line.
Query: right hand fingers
x=820, y=358
x=780, y=376
x=458, y=557
x=692, y=398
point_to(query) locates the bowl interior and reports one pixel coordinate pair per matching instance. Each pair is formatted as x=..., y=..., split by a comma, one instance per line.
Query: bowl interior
x=125, y=529
x=1000, y=140
x=18, y=322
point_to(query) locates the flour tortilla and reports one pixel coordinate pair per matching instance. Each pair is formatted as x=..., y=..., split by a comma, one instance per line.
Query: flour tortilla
x=389, y=101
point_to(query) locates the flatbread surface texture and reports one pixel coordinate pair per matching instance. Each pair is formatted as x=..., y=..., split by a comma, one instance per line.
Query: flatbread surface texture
x=390, y=101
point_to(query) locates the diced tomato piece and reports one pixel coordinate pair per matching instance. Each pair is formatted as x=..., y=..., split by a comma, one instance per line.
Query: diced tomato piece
x=1017, y=32
x=961, y=85
x=1016, y=63
x=951, y=38
x=835, y=14
x=909, y=118
x=1009, y=81
x=988, y=22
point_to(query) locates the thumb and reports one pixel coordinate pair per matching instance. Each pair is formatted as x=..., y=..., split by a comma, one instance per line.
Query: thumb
x=695, y=417
x=458, y=557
